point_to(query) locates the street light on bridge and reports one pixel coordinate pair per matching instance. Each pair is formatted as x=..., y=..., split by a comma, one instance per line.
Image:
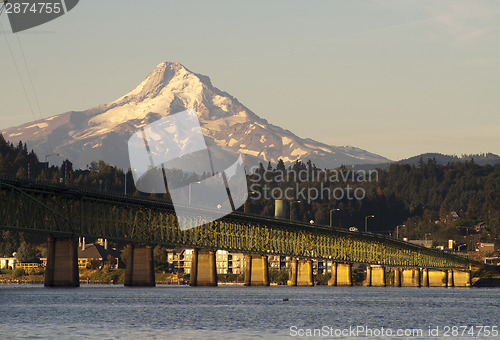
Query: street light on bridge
x=331, y=211
x=397, y=229
x=366, y=222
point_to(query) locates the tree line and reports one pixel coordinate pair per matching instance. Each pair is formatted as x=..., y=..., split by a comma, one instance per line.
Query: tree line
x=459, y=200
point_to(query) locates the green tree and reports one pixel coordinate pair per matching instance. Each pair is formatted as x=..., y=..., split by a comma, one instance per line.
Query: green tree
x=27, y=253
x=160, y=258
x=18, y=272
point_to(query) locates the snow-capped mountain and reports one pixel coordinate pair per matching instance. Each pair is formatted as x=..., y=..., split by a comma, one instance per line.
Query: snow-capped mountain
x=103, y=132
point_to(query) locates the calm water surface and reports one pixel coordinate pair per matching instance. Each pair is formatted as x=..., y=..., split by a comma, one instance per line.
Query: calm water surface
x=236, y=312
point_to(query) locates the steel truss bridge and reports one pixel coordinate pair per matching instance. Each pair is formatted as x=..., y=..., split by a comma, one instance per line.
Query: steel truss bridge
x=59, y=210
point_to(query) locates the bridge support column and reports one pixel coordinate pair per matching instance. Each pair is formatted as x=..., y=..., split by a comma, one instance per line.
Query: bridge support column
x=256, y=270
x=62, y=263
x=302, y=273
x=375, y=276
x=139, y=270
x=305, y=273
x=293, y=273
x=333, y=278
x=341, y=274
x=397, y=277
x=203, y=268
x=410, y=277
x=368, y=278
x=425, y=277
x=461, y=278
x=434, y=278
x=450, y=278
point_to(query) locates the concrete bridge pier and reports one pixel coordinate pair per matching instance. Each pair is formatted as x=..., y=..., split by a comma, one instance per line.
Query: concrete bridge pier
x=461, y=278
x=139, y=270
x=410, y=277
x=203, y=268
x=62, y=263
x=293, y=273
x=368, y=278
x=397, y=277
x=375, y=276
x=305, y=273
x=302, y=273
x=425, y=277
x=450, y=279
x=341, y=274
x=434, y=278
x=256, y=270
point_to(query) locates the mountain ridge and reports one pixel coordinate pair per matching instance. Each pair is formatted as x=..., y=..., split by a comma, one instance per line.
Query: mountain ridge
x=441, y=159
x=102, y=132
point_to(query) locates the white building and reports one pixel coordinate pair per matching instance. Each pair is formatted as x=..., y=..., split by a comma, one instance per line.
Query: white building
x=7, y=262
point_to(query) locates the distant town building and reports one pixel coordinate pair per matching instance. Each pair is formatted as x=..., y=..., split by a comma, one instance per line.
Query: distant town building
x=494, y=261
x=485, y=247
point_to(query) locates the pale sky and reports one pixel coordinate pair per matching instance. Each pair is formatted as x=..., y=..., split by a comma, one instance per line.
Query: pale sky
x=394, y=77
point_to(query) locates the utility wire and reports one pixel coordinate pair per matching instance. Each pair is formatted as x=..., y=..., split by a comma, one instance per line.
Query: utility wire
x=34, y=93
x=19, y=75
x=21, y=80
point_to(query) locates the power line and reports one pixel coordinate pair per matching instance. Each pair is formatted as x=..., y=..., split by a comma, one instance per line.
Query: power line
x=31, y=106
x=34, y=93
x=19, y=75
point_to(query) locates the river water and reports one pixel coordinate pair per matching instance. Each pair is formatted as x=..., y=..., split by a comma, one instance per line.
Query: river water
x=237, y=312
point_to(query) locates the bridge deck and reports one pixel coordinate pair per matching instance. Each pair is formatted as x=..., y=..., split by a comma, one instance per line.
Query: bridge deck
x=57, y=209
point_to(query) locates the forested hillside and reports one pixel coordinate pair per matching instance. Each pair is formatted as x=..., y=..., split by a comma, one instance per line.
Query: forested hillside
x=459, y=200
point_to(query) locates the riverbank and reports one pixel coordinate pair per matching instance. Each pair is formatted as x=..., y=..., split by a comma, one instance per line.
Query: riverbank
x=87, y=276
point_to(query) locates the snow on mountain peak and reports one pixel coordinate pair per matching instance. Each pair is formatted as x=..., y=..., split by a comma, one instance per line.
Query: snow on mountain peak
x=168, y=89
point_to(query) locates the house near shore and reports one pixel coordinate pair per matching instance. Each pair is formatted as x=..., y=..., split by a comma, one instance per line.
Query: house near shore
x=8, y=262
x=97, y=254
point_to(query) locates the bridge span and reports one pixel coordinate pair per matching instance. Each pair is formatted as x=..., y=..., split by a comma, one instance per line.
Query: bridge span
x=65, y=213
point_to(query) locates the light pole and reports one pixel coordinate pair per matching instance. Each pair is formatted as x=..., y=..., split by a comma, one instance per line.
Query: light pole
x=425, y=238
x=464, y=244
x=291, y=206
x=125, y=187
x=189, y=190
x=397, y=230
x=249, y=197
x=366, y=222
x=331, y=211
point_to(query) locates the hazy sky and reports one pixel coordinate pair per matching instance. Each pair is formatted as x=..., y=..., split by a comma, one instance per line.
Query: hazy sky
x=394, y=77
